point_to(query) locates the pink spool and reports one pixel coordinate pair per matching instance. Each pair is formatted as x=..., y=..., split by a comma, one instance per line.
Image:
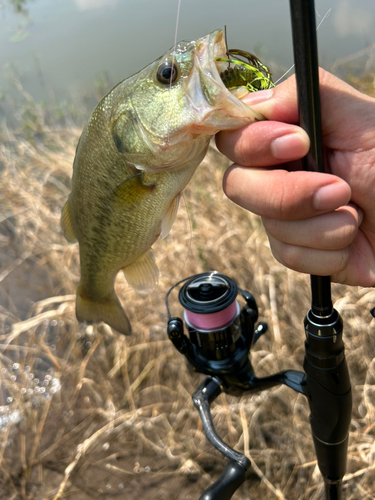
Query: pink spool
x=213, y=321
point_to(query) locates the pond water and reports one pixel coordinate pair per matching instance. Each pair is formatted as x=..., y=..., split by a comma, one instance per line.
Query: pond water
x=62, y=47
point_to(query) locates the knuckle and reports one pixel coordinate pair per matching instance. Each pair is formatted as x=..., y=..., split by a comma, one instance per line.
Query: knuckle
x=271, y=226
x=307, y=260
x=293, y=257
x=229, y=182
x=284, y=231
x=286, y=254
x=284, y=201
x=243, y=150
x=346, y=236
x=345, y=231
x=341, y=261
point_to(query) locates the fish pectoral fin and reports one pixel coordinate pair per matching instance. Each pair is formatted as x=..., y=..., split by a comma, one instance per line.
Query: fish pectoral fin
x=66, y=223
x=169, y=217
x=132, y=191
x=109, y=310
x=143, y=274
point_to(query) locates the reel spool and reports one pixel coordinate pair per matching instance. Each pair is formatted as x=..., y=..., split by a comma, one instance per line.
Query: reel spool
x=212, y=314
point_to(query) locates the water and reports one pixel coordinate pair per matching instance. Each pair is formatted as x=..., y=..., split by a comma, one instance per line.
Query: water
x=63, y=46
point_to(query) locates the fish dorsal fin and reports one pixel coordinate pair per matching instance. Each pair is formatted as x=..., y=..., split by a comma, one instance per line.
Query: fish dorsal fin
x=66, y=224
x=169, y=217
x=143, y=273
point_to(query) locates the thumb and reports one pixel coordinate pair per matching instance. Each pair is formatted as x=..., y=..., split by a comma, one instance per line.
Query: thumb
x=344, y=109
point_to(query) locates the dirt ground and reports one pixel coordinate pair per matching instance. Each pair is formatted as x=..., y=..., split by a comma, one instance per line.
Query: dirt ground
x=86, y=413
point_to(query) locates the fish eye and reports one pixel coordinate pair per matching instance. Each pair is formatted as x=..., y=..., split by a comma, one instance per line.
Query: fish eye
x=167, y=72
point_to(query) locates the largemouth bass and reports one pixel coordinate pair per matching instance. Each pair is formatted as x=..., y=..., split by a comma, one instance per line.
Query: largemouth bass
x=135, y=156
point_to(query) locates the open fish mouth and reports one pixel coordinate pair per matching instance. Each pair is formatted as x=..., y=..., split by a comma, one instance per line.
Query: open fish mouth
x=217, y=108
x=209, y=52
x=240, y=71
x=255, y=75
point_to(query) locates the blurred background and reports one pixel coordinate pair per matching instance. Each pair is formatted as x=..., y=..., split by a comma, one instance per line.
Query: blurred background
x=61, y=48
x=85, y=413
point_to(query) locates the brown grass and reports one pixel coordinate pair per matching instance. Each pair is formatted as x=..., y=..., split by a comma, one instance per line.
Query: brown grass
x=86, y=413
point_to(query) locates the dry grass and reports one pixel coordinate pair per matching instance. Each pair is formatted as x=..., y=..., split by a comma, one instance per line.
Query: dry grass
x=86, y=413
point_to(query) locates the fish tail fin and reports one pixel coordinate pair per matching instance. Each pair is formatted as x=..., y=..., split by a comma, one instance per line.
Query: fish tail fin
x=108, y=310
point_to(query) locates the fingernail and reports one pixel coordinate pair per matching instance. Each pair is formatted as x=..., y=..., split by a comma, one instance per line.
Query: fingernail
x=258, y=97
x=331, y=197
x=290, y=147
x=359, y=211
x=360, y=216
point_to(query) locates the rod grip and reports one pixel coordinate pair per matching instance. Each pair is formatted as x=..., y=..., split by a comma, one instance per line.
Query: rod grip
x=329, y=394
x=330, y=419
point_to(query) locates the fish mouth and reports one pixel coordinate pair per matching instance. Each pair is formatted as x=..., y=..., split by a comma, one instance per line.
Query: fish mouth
x=217, y=107
x=208, y=49
x=217, y=49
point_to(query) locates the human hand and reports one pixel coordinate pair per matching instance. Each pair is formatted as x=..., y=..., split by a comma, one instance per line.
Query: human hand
x=321, y=224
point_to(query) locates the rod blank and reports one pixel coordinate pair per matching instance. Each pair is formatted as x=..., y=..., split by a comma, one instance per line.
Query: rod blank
x=307, y=76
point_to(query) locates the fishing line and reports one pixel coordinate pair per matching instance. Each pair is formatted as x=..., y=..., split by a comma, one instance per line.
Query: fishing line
x=175, y=39
x=191, y=234
x=176, y=30
x=174, y=47
x=321, y=22
x=324, y=18
x=170, y=85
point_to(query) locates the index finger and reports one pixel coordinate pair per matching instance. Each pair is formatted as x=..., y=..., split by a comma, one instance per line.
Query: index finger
x=283, y=195
x=264, y=143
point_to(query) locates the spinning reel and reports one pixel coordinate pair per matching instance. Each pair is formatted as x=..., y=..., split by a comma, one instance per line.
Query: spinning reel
x=219, y=340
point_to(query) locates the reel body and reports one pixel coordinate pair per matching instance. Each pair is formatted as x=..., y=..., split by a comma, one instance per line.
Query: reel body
x=220, y=332
x=219, y=340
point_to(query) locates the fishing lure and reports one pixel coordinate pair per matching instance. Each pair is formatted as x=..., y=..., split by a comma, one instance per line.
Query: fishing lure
x=250, y=73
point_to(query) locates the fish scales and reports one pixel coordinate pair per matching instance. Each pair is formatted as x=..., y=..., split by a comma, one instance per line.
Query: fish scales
x=137, y=153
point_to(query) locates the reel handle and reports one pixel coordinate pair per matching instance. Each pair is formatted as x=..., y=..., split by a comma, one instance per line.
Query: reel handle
x=230, y=480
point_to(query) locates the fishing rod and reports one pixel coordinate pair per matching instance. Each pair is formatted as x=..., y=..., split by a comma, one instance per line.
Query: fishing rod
x=221, y=333
x=328, y=386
